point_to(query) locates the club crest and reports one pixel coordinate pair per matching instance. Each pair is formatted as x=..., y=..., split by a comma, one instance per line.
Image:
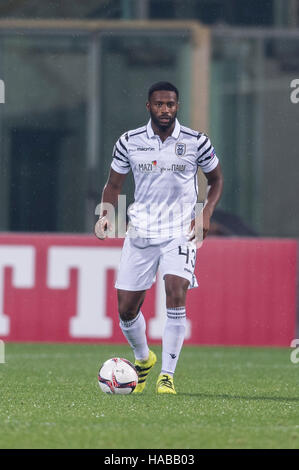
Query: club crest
x=180, y=149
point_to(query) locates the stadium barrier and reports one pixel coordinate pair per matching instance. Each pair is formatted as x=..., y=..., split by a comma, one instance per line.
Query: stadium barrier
x=60, y=288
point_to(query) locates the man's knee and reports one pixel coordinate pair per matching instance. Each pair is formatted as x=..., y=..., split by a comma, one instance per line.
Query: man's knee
x=176, y=291
x=129, y=306
x=177, y=297
x=127, y=313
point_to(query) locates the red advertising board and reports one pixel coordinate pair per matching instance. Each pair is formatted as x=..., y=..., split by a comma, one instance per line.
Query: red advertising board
x=60, y=288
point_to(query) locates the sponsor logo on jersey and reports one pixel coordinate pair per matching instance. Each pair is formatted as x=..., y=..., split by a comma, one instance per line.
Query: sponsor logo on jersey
x=153, y=167
x=178, y=167
x=145, y=167
x=180, y=149
x=145, y=149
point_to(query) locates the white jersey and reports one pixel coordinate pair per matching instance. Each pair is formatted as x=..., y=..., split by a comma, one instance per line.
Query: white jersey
x=165, y=175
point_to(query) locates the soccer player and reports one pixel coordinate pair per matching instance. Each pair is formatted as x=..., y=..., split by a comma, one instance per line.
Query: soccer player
x=164, y=157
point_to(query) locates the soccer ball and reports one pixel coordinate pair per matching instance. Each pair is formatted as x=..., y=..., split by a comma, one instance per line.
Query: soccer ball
x=118, y=376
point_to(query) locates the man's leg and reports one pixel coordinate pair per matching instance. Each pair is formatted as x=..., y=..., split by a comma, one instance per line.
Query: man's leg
x=133, y=326
x=174, y=332
x=132, y=322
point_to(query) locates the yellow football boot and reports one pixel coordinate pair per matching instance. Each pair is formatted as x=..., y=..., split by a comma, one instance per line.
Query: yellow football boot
x=165, y=384
x=143, y=368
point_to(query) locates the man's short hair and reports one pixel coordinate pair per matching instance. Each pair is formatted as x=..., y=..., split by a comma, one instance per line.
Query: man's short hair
x=159, y=86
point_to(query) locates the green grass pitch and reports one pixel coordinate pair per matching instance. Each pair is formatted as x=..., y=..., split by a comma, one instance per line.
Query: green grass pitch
x=226, y=398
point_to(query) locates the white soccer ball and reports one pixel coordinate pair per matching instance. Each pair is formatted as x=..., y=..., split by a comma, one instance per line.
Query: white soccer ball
x=118, y=376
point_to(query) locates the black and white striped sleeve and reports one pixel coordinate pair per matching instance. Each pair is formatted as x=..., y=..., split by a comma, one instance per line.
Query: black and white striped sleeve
x=120, y=162
x=207, y=159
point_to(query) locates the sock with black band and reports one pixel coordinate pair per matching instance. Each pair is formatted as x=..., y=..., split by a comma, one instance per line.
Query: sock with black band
x=173, y=338
x=134, y=332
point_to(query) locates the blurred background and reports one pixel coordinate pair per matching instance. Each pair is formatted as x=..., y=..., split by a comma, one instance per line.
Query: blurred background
x=76, y=76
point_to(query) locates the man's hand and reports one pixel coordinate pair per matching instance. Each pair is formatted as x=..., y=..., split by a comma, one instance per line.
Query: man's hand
x=206, y=216
x=200, y=227
x=101, y=228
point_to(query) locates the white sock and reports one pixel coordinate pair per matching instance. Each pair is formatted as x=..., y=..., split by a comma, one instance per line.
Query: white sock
x=173, y=338
x=134, y=331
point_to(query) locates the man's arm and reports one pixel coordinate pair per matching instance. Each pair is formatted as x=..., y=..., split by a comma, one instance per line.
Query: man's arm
x=215, y=181
x=110, y=195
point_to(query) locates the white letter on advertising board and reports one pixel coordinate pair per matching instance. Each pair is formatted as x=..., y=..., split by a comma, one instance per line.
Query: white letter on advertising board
x=2, y=92
x=92, y=263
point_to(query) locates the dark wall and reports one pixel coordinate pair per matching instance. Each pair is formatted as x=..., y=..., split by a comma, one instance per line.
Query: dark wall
x=231, y=12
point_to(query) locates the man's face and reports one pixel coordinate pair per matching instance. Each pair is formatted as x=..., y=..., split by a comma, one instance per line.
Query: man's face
x=163, y=107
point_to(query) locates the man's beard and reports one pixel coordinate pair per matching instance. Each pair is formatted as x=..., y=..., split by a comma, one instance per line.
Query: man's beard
x=162, y=126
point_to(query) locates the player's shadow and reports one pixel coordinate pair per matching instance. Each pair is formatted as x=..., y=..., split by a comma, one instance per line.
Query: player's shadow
x=226, y=396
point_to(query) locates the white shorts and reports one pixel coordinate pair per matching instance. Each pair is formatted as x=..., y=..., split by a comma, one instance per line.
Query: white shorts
x=142, y=257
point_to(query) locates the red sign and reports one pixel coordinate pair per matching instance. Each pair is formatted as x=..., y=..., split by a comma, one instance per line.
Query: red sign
x=61, y=288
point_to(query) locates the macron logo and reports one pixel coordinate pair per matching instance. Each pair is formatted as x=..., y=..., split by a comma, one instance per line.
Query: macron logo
x=145, y=149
